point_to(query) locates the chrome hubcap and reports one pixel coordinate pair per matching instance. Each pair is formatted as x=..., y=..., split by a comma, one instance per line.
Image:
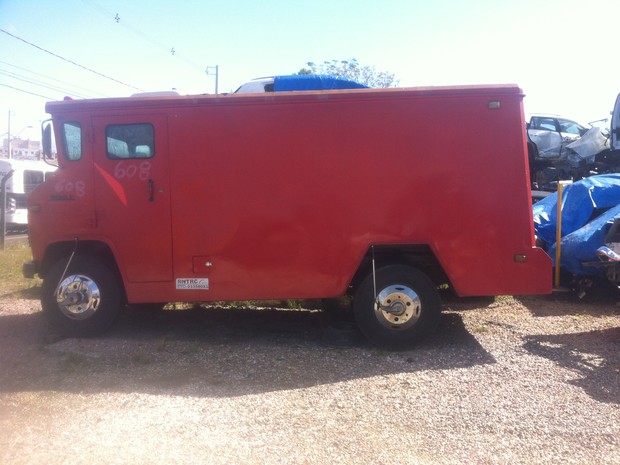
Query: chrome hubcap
x=78, y=297
x=398, y=307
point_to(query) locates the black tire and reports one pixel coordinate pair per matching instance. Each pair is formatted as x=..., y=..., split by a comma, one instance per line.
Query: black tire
x=92, y=297
x=412, y=299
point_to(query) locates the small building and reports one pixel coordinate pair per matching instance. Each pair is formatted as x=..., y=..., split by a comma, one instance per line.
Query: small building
x=21, y=149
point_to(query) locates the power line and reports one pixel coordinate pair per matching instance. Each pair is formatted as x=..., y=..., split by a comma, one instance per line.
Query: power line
x=71, y=85
x=26, y=92
x=70, y=61
x=118, y=20
x=28, y=80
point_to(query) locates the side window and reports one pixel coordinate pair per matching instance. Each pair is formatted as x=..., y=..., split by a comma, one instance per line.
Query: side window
x=126, y=141
x=570, y=127
x=72, y=140
x=543, y=123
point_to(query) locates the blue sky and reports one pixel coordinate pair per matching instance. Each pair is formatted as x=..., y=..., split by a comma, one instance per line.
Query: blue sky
x=561, y=52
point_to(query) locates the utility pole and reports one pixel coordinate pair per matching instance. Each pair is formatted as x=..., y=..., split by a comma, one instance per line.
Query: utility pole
x=216, y=73
x=10, y=139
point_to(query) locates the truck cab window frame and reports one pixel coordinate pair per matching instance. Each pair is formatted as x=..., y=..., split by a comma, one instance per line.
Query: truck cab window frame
x=72, y=140
x=130, y=141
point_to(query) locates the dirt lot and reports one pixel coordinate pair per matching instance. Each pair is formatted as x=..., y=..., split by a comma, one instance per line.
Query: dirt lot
x=527, y=380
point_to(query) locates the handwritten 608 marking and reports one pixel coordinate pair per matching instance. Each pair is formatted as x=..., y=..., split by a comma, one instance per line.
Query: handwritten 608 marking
x=77, y=188
x=131, y=170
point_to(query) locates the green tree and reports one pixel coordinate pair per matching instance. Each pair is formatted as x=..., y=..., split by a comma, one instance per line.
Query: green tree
x=351, y=69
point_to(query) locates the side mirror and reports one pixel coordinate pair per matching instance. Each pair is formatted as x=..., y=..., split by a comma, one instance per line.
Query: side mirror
x=46, y=139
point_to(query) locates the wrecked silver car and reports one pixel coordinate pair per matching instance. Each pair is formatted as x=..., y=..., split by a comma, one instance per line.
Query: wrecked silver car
x=552, y=134
x=562, y=149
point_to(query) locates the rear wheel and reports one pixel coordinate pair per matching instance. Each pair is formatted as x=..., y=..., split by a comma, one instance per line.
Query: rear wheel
x=83, y=301
x=405, y=310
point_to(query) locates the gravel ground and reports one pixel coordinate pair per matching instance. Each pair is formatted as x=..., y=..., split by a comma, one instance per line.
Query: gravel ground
x=525, y=380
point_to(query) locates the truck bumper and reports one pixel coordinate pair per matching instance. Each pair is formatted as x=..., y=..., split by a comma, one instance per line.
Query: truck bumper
x=29, y=270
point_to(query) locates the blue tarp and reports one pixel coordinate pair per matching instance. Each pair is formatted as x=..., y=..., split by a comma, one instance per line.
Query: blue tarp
x=589, y=207
x=313, y=82
x=581, y=245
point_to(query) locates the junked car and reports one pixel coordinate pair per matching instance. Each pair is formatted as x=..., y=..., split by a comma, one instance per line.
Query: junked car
x=561, y=149
x=552, y=133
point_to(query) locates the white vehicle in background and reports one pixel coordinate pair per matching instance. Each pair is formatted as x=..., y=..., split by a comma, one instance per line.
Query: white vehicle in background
x=560, y=149
x=552, y=133
x=27, y=174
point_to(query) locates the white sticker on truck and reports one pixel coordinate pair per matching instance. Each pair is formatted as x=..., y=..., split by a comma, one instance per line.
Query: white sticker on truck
x=192, y=283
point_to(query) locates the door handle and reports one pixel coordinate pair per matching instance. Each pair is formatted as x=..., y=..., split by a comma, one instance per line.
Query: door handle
x=151, y=187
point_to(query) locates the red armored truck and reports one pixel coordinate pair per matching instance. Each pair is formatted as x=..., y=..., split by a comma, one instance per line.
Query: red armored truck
x=383, y=195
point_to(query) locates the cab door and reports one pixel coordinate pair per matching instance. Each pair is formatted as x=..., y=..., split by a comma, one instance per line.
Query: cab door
x=133, y=193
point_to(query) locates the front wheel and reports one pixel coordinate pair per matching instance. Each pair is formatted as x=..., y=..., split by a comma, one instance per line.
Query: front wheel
x=405, y=309
x=84, y=300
